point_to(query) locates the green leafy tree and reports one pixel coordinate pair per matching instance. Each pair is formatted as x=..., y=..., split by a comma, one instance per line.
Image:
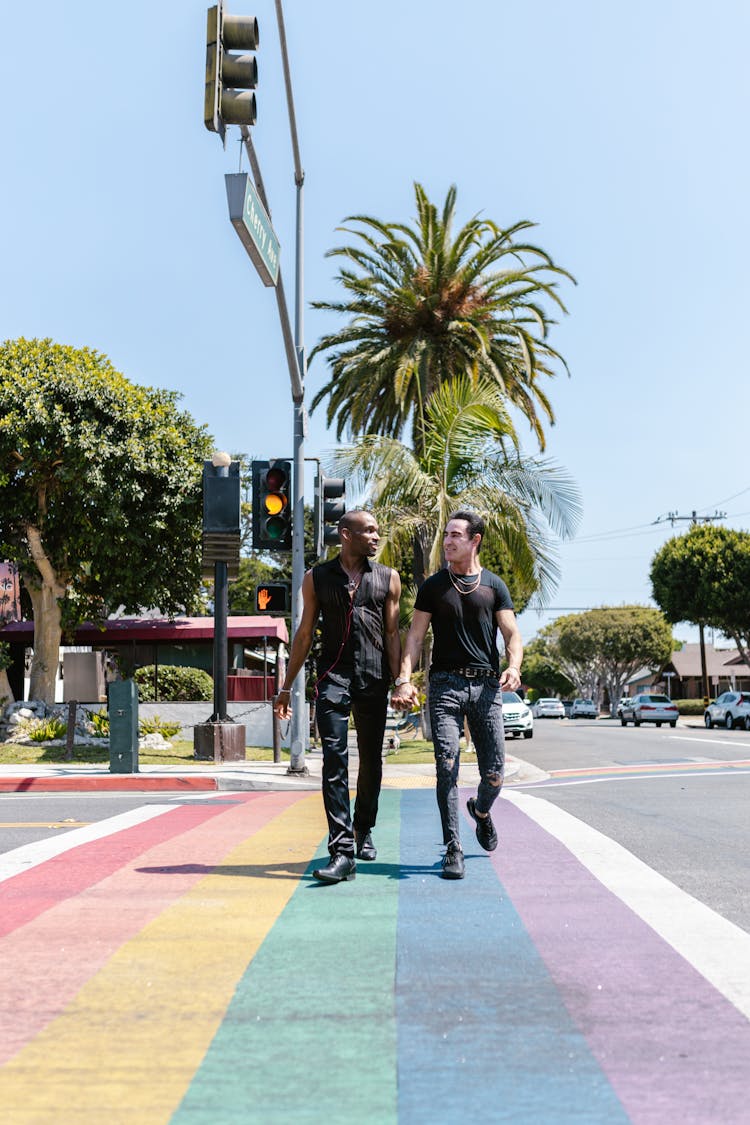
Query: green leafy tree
x=603, y=648
x=100, y=492
x=468, y=460
x=424, y=305
x=704, y=577
x=542, y=673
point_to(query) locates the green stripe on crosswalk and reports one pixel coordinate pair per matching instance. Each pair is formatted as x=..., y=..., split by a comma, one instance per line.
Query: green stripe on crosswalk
x=310, y=1033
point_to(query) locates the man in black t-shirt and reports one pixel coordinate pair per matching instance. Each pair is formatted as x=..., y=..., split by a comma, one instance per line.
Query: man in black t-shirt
x=465, y=605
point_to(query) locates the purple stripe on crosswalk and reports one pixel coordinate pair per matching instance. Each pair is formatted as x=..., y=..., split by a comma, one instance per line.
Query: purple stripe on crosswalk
x=673, y=1048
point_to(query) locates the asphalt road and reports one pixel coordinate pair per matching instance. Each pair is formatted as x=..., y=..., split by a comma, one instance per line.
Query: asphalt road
x=678, y=799
x=571, y=956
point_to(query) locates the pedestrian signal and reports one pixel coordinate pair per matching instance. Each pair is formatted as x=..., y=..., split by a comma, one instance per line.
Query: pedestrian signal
x=272, y=597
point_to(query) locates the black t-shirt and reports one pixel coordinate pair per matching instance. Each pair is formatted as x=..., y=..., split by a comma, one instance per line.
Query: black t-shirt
x=464, y=626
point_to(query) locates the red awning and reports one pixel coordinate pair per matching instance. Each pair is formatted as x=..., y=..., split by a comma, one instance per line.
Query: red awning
x=154, y=630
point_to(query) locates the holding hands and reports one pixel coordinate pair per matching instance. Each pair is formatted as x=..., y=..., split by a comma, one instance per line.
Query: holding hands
x=405, y=696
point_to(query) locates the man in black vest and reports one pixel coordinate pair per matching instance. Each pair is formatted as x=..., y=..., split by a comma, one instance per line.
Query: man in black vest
x=357, y=600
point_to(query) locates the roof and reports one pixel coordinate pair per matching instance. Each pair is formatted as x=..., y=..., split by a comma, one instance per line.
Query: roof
x=140, y=630
x=687, y=661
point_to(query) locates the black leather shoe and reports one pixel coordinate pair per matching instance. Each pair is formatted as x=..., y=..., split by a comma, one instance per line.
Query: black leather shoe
x=365, y=847
x=340, y=868
x=453, y=863
x=486, y=834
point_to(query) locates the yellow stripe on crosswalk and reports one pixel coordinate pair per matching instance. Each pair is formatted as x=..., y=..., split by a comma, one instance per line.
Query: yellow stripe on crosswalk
x=127, y=1047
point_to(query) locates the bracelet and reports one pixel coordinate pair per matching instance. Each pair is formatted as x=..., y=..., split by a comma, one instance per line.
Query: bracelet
x=512, y=668
x=285, y=691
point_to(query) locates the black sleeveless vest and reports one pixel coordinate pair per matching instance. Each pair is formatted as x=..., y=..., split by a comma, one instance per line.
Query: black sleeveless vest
x=353, y=631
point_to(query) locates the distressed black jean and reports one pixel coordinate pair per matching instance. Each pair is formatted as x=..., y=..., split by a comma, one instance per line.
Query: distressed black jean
x=335, y=702
x=454, y=698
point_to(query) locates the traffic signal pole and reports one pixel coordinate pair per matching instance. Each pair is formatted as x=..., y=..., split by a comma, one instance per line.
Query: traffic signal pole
x=226, y=72
x=296, y=362
x=298, y=733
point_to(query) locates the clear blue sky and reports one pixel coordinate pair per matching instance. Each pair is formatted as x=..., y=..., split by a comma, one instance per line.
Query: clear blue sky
x=621, y=130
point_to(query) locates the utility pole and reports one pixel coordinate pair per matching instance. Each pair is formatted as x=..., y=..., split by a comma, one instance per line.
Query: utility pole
x=229, y=100
x=694, y=519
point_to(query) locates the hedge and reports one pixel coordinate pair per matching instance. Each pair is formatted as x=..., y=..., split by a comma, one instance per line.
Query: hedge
x=176, y=684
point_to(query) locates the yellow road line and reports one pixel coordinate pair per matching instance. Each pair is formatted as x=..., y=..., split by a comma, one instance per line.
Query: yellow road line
x=46, y=824
x=129, y=1044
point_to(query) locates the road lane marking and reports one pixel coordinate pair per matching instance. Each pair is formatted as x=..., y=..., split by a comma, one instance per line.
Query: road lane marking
x=717, y=948
x=45, y=824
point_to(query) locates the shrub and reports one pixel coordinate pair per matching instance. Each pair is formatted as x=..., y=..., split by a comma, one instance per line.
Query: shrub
x=45, y=730
x=155, y=725
x=689, y=706
x=100, y=724
x=176, y=684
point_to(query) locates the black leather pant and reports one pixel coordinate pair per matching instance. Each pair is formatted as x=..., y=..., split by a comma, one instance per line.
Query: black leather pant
x=335, y=702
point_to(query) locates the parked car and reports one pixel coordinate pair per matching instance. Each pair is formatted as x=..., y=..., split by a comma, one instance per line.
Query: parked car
x=517, y=717
x=568, y=705
x=548, y=709
x=584, y=709
x=731, y=709
x=647, y=708
x=623, y=702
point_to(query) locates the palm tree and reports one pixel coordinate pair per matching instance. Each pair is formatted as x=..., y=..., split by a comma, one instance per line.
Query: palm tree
x=424, y=307
x=469, y=459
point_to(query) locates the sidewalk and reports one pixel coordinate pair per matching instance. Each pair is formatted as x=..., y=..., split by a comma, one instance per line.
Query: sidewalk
x=235, y=776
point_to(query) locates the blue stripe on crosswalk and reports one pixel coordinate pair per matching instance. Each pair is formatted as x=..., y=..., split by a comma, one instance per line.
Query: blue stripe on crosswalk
x=482, y=1029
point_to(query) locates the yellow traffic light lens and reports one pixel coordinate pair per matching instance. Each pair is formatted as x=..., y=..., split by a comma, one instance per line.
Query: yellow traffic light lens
x=274, y=503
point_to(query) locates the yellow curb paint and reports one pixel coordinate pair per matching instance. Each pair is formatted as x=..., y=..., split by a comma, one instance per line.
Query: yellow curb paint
x=128, y=1046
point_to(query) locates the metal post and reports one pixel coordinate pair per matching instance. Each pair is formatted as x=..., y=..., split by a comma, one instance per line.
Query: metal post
x=221, y=607
x=298, y=726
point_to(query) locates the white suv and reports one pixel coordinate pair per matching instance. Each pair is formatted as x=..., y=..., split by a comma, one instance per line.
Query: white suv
x=731, y=709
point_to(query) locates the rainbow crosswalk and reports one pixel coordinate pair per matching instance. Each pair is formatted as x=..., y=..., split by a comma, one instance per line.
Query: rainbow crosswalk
x=186, y=968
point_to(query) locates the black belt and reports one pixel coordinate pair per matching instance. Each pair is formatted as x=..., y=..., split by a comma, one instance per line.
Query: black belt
x=474, y=673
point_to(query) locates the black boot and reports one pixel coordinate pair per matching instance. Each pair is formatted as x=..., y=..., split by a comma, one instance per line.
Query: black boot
x=341, y=867
x=365, y=847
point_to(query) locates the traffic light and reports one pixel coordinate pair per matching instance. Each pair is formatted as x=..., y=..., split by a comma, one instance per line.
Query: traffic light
x=329, y=507
x=272, y=509
x=230, y=79
x=272, y=597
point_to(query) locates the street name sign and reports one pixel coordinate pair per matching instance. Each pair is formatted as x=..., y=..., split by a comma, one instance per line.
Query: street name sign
x=249, y=218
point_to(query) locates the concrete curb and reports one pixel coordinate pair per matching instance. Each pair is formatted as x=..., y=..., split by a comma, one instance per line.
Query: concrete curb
x=240, y=776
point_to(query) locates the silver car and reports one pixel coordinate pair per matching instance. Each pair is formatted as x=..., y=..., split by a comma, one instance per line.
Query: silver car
x=517, y=717
x=648, y=708
x=731, y=709
x=549, y=709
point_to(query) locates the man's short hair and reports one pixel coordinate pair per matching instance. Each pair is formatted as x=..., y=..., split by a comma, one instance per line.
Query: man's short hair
x=348, y=519
x=474, y=520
